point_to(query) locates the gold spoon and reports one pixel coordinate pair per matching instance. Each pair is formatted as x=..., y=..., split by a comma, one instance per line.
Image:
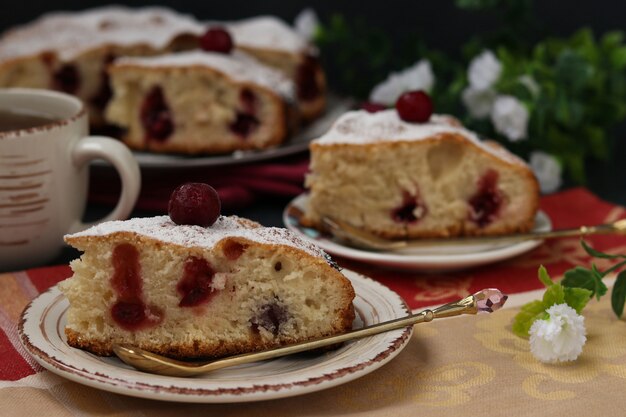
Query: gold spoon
x=487, y=300
x=363, y=239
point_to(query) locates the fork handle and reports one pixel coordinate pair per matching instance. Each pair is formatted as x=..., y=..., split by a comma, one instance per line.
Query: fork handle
x=522, y=237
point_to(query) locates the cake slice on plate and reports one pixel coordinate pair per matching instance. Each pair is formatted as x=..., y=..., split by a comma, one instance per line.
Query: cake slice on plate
x=403, y=179
x=188, y=291
x=200, y=102
x=276, y=44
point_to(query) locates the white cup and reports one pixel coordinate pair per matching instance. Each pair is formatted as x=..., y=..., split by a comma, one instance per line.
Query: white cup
x=44, y=177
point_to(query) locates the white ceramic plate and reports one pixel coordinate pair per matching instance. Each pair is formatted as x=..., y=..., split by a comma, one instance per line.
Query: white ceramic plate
x=447, y=258
x=298, y=143
x=41, y=330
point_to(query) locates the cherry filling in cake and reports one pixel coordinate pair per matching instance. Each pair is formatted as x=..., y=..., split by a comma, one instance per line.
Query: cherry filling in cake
x=248, y=100
x=306, y=79
x=270, y=317
x=195, y=287
x=156, y=116
x=104, y=94
x=66, y=79
x=486, y=203
x=411, y=210
x=244, y=124
x=129, y=311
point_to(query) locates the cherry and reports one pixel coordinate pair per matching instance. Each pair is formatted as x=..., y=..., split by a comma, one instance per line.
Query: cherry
x=373, y=107
x=486, y=202
x=270, y=317
x=67, y=79
x=405, y=213
x=195, y=284
x=155, y=115
x=216, y=39
x=244, y=124
x=194, y=204
x=414, y=106
x=306, y=79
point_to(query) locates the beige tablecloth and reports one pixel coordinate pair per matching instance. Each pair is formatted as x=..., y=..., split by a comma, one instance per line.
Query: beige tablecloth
x=460, y=366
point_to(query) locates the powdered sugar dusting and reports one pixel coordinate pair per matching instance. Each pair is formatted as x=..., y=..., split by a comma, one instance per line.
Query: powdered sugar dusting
x=362, y=127
x=68, y=34
x=237, y=66
x=266, y=32
x=162, y=228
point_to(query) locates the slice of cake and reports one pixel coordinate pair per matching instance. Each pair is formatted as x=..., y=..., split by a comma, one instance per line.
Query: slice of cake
x=189, y=291
x=199, y=102
x=69, y=51
x=401, y=179
x=273, y=42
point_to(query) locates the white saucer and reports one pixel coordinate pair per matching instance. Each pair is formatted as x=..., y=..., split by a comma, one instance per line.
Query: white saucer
x=447, y=258
x=42, y=325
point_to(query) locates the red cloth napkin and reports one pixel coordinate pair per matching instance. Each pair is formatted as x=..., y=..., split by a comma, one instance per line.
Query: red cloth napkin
x=570, y=208
x=237, y=185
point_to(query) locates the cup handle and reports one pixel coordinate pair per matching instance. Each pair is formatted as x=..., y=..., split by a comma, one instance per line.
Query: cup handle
x=115, y=152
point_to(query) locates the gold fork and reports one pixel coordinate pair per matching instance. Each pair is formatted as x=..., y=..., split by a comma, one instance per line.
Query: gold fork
x=487, y=301
x=363, y=239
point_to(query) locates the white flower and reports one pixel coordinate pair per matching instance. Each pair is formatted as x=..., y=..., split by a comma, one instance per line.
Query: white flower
x=478, y=102
x=560, y=338
x=484, y=70
x=547, y=169
x=417, y=77
x=510, y=118
x=306, y=23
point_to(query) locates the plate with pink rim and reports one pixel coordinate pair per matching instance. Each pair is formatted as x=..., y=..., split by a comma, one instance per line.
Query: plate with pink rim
x=41, y=331
x=448, y=258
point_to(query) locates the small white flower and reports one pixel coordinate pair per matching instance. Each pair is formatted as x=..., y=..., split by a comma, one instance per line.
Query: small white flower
x=510, y=118
x=306, y=23
x=417, y=77
x=560, y=338
x=478, y=102
x=547, y=169
x=484, y=70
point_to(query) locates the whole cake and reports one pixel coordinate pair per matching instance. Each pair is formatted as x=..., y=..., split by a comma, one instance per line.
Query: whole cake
x=190, y=291
x=402, y=179
x=276, y=44
x=69, y=51
x=199, y=102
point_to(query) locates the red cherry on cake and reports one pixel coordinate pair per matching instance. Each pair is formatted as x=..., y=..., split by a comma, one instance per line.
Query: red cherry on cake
x=414, y=106
x=216, y=39
x=194, y=204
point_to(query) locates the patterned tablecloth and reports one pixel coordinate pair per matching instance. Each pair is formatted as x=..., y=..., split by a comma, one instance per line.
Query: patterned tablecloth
x=460, y=366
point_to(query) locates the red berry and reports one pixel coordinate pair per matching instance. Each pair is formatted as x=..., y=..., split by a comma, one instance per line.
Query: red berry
x=372, y=107
x=414, y=106
x=217, y=39
x=195, y=204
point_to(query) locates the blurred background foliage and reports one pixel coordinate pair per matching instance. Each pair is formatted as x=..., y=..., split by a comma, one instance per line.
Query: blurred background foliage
x=581, y=79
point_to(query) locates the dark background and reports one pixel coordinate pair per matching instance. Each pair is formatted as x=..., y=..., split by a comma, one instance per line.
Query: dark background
x=440, y=24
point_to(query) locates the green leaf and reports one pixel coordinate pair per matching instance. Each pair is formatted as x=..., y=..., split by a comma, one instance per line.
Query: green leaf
x=577, y=298
x=580, y=277
x=530, y=312
x=597, y=254
x=544, y=277
x=618, y=296
x=555, y=294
